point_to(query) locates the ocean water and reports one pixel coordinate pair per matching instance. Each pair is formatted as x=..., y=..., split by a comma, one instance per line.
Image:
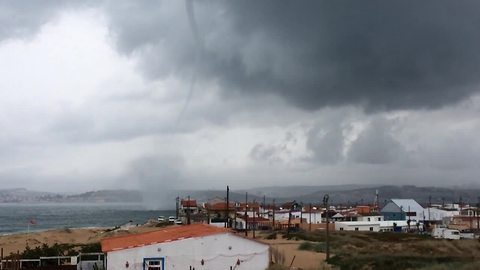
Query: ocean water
x=16, y=218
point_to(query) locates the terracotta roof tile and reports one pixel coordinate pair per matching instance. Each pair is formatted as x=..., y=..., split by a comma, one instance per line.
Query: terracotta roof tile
x=160, y=236
x=220, y=206
x=189, y=203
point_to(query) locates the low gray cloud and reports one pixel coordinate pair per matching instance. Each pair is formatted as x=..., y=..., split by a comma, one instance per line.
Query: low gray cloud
x=326, y=144
x=22, y=19
x=377, y=144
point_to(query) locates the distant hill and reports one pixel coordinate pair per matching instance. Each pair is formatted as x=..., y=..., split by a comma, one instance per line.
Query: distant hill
x=420, y=194
x=108, y=196
x=22, y=195
x=350, y=194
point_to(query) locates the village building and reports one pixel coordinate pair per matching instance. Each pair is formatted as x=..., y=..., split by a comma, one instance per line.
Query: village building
x=439, y=216
x=313, y=215
x=372, y=226
x=219, y=214
x=197, y=246
x=190, y=212
x=250, y=208
x=370, y=217
x=403, y=209
x=357, y=226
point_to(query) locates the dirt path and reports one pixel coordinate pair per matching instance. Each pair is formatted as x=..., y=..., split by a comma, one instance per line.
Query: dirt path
x=302, y=259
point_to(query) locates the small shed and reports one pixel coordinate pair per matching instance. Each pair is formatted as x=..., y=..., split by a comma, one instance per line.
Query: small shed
x=197, y=246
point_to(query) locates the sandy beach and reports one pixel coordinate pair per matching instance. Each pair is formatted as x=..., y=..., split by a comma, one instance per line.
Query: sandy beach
x=17, y=242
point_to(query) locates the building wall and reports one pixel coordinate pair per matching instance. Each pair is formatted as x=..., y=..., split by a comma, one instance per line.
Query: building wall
x=357, y=226
x=218, y=252
x=317, y=226
x=394, y=216
x=370, y=218
x=283, y=215
x=314, y=217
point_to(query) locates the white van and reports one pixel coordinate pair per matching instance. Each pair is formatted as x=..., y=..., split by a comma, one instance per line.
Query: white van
x=446, y=233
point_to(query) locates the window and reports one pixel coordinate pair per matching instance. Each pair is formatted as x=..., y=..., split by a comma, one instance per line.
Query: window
x=379, y=219
x=153, y=263
x=356, y=228
x=368, y=219
x=371, y=229
x=341, y=229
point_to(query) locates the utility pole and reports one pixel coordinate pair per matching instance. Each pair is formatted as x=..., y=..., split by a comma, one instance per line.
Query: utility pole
x=253, y=220
x=227, y=214
x=408, y=221
x=301, y=212
x=460, y=204
x=273, y=215
x=429, y=206
x=310, y=218
x=235, y=215
x=327, y=242
x=177, y=205
x=224, y=212
x=188, y=211
x=263, y=207
x=290, y=217
x=246, y=214
x=478, y=217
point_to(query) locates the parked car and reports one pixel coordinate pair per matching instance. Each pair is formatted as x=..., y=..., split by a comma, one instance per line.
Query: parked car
x=161, y=219
x=171, y=219
x=178, y=222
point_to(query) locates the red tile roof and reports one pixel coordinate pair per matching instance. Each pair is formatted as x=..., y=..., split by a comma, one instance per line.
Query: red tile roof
x=220, y=206
x=160, y=236
x=189, y=203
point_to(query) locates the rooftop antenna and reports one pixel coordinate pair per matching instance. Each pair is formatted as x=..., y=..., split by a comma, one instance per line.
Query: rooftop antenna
x=375, y=203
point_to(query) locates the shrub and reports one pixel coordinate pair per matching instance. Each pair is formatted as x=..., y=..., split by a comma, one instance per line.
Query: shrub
x=271, y=236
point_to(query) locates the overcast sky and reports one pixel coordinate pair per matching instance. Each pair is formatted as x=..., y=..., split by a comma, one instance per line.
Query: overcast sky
x=203, y=94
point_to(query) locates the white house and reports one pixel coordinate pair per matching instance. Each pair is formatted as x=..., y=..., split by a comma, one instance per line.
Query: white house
x=391, y=225
x=370, y=218
x=197, y=246
x=371, y=226
x=435, y=214
x=283, y=214
x=357, y=226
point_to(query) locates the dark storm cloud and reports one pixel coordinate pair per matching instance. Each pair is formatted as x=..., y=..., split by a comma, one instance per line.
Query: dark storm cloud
x=380, y=54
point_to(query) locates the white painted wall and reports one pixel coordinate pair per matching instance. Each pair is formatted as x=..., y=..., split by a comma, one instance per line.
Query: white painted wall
x=439, y=214
x=370, y=218
x=218, y=251
x=283, y=215
x=315, y=217
x=352, y=225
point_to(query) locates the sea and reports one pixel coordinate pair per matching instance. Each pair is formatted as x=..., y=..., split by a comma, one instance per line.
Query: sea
x=21, y=217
